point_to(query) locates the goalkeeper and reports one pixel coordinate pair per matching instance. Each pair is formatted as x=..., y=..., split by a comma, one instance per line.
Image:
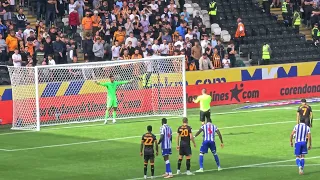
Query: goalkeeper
x=112, y=101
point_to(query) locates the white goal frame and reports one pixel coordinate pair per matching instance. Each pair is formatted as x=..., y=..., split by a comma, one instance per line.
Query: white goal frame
x=180, y=59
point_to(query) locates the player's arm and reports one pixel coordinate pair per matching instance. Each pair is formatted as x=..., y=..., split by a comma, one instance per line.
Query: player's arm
x=192, y=140
x=309, y=140
x=161, y=138
x=298, y=115
x=196, y=100
x=199, y=132
x=157, y=147
x=220, y=137
x=141, y=146
x=101, y=84
x=291, y=137
x=311, y=116
x=178, y=140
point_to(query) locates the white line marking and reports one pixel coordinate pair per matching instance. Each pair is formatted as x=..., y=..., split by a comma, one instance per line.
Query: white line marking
x=93, y=125
x=292, y=165
x=244, y=166
x=5, y=150
x=131, y=137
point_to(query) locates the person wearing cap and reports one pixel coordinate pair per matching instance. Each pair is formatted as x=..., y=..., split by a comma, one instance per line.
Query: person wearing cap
x=305, y=112
x=95, y=21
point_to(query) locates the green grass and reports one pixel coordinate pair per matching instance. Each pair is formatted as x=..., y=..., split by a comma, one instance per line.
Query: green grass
x=90, y=151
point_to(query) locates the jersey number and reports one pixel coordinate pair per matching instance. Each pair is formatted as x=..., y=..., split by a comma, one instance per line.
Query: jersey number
x=184, y=133
x=148, y=141
x=304, y=111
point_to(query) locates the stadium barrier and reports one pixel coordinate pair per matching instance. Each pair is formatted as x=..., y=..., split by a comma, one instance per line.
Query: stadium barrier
x=223, y=94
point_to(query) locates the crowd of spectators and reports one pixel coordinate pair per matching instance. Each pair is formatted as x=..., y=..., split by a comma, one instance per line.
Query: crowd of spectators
x=109, y=30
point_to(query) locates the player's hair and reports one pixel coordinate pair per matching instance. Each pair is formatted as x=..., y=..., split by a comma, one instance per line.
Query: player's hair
x=303, y=100
x=111, y=76
x=209, y=120
x=204, y=90
x=303, y=120
x=185, y=120
x=149, y=128
x=164, y=121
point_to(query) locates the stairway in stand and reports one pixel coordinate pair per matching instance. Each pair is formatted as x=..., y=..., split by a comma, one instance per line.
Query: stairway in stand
x=303, y=29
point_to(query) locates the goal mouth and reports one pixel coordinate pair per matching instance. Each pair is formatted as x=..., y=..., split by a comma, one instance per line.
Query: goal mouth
x=66, y=94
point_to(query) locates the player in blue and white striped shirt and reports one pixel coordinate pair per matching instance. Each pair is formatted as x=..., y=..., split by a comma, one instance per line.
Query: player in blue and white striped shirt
x=301, y=132
x=166, y=141
x=209, y=131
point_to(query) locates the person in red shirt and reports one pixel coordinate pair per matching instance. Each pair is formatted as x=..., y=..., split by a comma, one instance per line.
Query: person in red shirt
x=74, y=21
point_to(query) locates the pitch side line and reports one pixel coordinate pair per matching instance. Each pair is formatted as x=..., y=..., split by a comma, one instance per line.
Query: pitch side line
x=238, y=167
x=93, y=125
x=131, y=137
x=292, y=165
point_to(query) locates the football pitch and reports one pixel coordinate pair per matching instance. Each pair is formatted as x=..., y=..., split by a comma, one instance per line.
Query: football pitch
x=256, y=148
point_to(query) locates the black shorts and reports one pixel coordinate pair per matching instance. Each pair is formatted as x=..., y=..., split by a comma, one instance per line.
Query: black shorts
x=204, y=115
x=185, y=151
x=307, y=121
x=148, y=158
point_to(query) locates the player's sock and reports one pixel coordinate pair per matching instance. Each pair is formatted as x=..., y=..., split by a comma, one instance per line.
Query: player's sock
x=179, y=164
x=201, y=161
x=106, y=117
x=145, y=169
x=302, y=162
x=216, y=158
x=188, y=164
x=152, y=170
x=168, y=167
x=298, y=162
x=114, y=115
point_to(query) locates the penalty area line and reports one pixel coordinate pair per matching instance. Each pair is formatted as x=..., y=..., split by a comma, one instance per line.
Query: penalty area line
x=239, y=167
x=93, y=125
x=132, y=137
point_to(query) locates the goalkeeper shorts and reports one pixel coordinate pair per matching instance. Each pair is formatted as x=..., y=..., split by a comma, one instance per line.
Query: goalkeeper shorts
x=112, y=102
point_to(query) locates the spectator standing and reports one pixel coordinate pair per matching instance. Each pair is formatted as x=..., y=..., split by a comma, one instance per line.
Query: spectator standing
x=132, y=39
x=73, y=5
x=205, y=63
x=2, y=11
x=6, y=5
x=58, y=50
x=164, y=48
x=226, y=63
x=129, y=27
x=119, y=36
x=115, y=51
x=12, y=43
x=48, y=47
x=266, y=51
x=204, y=43
x=240, y=33
x=307, y=12
x=286, y=12
x=196, y=53
x=98, y=50
x=266, y=6
x=21, y=19
x=16, y=58
x=51, y=9
x=51, y=60
x=181, y=29
x=39, y=55
x=74, y=21
x=232, y=53
x=216, y=59
x=95, y=21
x=296, y=21
x=214, y=41
x=87, y=49
x=213, y=12
x=87, y=25
x=3, y=52
x=220, y=48
x=107, y=51
x=185, y=14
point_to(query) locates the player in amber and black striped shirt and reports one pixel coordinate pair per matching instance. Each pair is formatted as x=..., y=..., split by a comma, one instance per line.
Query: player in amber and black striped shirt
x=305, y=112
x=183, y=144
x=147, y=146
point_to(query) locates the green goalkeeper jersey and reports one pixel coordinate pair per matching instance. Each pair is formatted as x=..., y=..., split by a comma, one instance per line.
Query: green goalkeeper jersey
x=112, y=87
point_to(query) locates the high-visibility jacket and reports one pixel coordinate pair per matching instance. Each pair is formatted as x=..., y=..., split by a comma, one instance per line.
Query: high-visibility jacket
x=240, y=33
x=297, y=22
x=265, y=52
x=213, y=8
x=284, y=7
x=313, y=32
x=146, y=82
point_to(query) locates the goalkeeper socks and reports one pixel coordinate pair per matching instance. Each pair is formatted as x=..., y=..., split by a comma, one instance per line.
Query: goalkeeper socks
x=216, y=158
x=188, y=164
x=302, y=162
x=152, y=170
x=145, y=169
x=201, y=161
x=179, y=164
x=298, y=162
x=168, y=167
x=107, y=115
x=114, y=114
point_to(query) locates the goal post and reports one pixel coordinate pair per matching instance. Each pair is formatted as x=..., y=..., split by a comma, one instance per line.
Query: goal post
x=65, y=94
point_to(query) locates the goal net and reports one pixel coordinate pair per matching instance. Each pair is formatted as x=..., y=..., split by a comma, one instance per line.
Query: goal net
x=65, y=94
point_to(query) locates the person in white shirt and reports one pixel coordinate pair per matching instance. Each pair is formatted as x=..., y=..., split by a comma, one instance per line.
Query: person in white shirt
x=73, y=5
x=153, y=5
x=164, y=48
x=16, y=58
x=205, y=63
x=204, y=43
x=155, y=47
x=115, y=51
x=189, y=34
x=179, y=42
x=133, y=40
x=129, y=27
x=226, y=61
x=51, y=60
x=26, y=33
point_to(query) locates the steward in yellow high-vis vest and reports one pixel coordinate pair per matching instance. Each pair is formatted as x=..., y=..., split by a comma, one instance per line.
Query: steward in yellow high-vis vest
x=286, y=11
x=315, y=32
x=266, y=52
x=296, y=21
x=213, y=12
